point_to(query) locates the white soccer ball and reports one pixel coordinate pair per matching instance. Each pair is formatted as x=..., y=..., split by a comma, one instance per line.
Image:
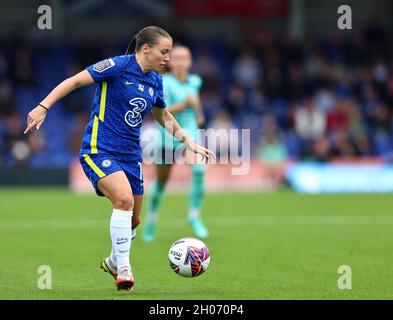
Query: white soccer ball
x=189, y=257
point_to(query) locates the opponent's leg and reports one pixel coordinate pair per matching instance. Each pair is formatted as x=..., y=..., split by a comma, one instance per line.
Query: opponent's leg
x=196, y=194
x=117, y=188
x=163, y=172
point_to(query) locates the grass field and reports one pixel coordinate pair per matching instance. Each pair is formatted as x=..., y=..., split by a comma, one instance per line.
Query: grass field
x=263, y=246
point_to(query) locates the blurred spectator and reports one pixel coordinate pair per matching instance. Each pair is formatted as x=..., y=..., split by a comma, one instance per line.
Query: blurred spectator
x=338, y=117
x=7, y=102
x=357, y=130
x=74, y=102
x=382, y=119
x=221, y=126
x=76, y=135
x=271, y=150
x=22, y=70
x=204, y=64
x=297, y=84
x=37, y=144
x=212, y=104
x=310, y=122
x=321, y=150
x=341, y=85
x=325, y=97
x=247, y=70
x=316, y=64
x=274, y=155
x=257, y=101
x=274, y=77
x=380, y=71
x=363, y=145
x=17, y=147
x=342, y=146
x=236, y=100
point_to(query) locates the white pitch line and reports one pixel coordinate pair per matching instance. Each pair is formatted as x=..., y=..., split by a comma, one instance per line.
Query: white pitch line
x=292, y=220
x=246, y=221
x=53, y=224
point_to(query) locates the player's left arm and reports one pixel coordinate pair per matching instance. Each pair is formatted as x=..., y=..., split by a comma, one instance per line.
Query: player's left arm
x=199, y=112
x=166, y=119
x=197, y=81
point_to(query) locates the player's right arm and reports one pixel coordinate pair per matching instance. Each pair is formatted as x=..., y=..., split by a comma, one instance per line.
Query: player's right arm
x=37, y=116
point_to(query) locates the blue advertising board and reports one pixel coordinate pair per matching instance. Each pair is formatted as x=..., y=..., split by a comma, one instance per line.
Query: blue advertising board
x=340, y=178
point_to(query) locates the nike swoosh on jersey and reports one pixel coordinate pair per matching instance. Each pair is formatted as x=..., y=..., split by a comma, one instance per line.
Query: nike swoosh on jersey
x=128, y=83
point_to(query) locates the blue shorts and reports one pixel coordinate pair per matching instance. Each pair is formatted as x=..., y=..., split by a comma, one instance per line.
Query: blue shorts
x=99, y=166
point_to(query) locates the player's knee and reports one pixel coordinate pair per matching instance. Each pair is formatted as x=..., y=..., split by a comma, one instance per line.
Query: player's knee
x=124, y=202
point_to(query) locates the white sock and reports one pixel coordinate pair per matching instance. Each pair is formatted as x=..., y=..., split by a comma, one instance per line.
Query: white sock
x=120, y=229
x=112, y=257
x=193, y=213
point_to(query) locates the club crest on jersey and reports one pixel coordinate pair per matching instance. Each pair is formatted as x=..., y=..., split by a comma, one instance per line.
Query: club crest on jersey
x=133, y=117
x=151, y=91
x=141, y=87
x=106, y=163
x=103, y=65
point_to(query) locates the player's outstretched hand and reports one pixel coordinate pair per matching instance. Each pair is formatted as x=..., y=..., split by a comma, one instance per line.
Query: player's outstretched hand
x=35, y=119
x=206, y=153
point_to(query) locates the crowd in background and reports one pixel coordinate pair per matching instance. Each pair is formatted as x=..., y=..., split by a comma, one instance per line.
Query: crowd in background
x=313, y=99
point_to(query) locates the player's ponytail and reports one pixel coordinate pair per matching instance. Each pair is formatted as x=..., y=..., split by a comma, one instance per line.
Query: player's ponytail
x=131, y=46
x=148, y=35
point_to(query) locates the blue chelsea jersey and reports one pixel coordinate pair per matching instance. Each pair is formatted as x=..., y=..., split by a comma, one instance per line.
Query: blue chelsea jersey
x=123, y=97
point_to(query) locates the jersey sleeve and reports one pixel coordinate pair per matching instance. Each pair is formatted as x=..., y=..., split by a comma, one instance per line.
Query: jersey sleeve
x=197, y=82
x=167, y=91
x=106, y=70
x=160, y=102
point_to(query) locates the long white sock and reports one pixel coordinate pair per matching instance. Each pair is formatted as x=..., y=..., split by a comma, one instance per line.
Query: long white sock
x=120, y=229
x=112, y=256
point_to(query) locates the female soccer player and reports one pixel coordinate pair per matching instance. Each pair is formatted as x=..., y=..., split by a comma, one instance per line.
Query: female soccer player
x=181, y=92
x=128, y=87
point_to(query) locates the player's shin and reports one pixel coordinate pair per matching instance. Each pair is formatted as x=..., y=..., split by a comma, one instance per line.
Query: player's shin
x=155, y=201
x=121, y=234
x=196, y=192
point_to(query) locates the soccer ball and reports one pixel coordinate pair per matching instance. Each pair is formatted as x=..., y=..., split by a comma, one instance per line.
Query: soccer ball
x=189, y=257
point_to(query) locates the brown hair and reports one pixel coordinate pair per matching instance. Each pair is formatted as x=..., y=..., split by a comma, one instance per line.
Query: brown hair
x=148, y=35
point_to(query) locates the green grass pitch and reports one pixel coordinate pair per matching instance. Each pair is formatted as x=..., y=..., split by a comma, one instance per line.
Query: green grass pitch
x=263, y=246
